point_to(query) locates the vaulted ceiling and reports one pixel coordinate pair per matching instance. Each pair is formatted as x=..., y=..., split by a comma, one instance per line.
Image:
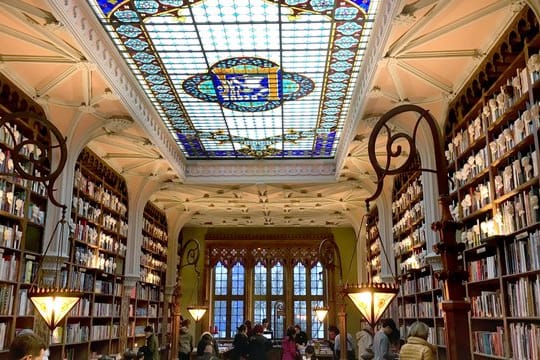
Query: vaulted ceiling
x=421, y=52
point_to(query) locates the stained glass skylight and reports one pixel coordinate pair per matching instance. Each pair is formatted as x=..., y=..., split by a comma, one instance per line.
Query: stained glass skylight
x=245, y=79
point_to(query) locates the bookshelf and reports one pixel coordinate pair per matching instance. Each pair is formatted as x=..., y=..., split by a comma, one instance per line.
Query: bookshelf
x=493, y=151
x=420, y=292
x=98, y=237
x=373, y=244
x=147, y=298
x=23, y=210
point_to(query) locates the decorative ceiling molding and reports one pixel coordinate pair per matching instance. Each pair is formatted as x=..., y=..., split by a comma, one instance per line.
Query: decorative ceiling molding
x=381, y=31
x=85, y=28
x=264, y=171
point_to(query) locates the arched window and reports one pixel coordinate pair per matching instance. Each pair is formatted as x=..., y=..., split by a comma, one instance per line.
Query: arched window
x=229, y=299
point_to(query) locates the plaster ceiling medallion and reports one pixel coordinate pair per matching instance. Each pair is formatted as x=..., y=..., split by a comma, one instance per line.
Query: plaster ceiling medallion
x=116, y=124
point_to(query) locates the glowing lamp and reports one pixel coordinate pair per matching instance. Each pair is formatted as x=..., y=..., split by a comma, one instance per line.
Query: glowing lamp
x=372, y=299
x=53, y=304
x=321, y=312
x=197, y=312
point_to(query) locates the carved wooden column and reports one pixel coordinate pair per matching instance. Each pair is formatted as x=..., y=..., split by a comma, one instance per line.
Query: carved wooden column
x=129, y=284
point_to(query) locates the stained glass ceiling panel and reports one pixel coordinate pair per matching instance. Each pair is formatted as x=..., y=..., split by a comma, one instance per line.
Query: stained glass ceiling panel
x=245, y=79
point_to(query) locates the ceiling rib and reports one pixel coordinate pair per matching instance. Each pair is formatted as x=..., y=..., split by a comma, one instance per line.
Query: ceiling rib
x=430, y=80
x=464, y=21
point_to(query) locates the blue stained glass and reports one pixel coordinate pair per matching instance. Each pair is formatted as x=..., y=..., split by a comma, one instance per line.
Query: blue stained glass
x=335, y=95
x=322, y=5
x=338, y=76
x=330, y=111
x=336, y=86
x=345, y=13
x=343, y=55
x=136, y=44
x=332, y=103
x=129, y=30
x=143, y=57
x=364, y=4
x=341, y=66
x=169, y=105
x=172, y=2
x=146, y=6
x=150, y=68
x=127, y=16
x=294, y=2
x=190, y=34
x=160, y=88
x=349, y=28
x=346, y=42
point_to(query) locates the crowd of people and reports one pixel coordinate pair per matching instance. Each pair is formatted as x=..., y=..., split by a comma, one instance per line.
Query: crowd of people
x=250, y=343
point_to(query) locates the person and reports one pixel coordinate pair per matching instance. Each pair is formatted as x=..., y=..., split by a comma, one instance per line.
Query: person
x=258, y=344
x=205, y=349
x=349, y=347
x=288, y=345
x=27, y=346
x=185, y=345
x=364, y=339
x=249, y=329
x=309, y=352
x=300, y=336
x=382, y=340
x=240, y=344
x=333, y=331
x=207, y=335
x=266, y=325
x=417, y=347
x=151, y=350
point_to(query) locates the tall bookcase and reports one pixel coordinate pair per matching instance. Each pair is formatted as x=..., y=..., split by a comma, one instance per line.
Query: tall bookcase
x=420, y=293
x=23, y=205
x=492, y=137
x=98, y=240
x=146, y=301
x=373, y=244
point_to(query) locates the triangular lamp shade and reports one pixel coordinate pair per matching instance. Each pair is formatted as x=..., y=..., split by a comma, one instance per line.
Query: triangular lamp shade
x=372, y=299
x=197, y=312
x=321, y=312
x=53, y=304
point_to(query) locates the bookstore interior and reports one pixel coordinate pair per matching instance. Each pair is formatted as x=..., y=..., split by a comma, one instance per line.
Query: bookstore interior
x=312, y=163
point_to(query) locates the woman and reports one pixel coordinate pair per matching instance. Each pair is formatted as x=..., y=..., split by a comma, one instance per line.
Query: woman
x=205, y=349
x=288, y=345
x=240, y=344
x=185, y=346
x=417, y=347
x=258, y=344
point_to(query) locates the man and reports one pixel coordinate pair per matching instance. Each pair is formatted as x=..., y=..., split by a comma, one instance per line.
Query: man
x=349, y=347
x=301, y=336
x=151, y=350
x=381, y=342
x=27, y=346
x=185, y=344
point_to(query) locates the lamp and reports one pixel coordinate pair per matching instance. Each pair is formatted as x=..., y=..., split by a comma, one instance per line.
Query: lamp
x=321, y=312
x=454, y=306
x=45, y=147
x=197, y=312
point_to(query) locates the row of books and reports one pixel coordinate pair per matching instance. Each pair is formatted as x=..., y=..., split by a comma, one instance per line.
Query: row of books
x=523, y=253
x=524, y=297
x=9, y=263
x=487, y=304
x=106, y=309
x=10, y=236
x=488, y=342
x=483, y=269
x=6, y=299
x=525, y=340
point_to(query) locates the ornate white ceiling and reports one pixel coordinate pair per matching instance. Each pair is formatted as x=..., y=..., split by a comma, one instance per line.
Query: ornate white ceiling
x=422, y=53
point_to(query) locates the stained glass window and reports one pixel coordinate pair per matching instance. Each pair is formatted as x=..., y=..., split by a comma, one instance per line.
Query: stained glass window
x=245, y=79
